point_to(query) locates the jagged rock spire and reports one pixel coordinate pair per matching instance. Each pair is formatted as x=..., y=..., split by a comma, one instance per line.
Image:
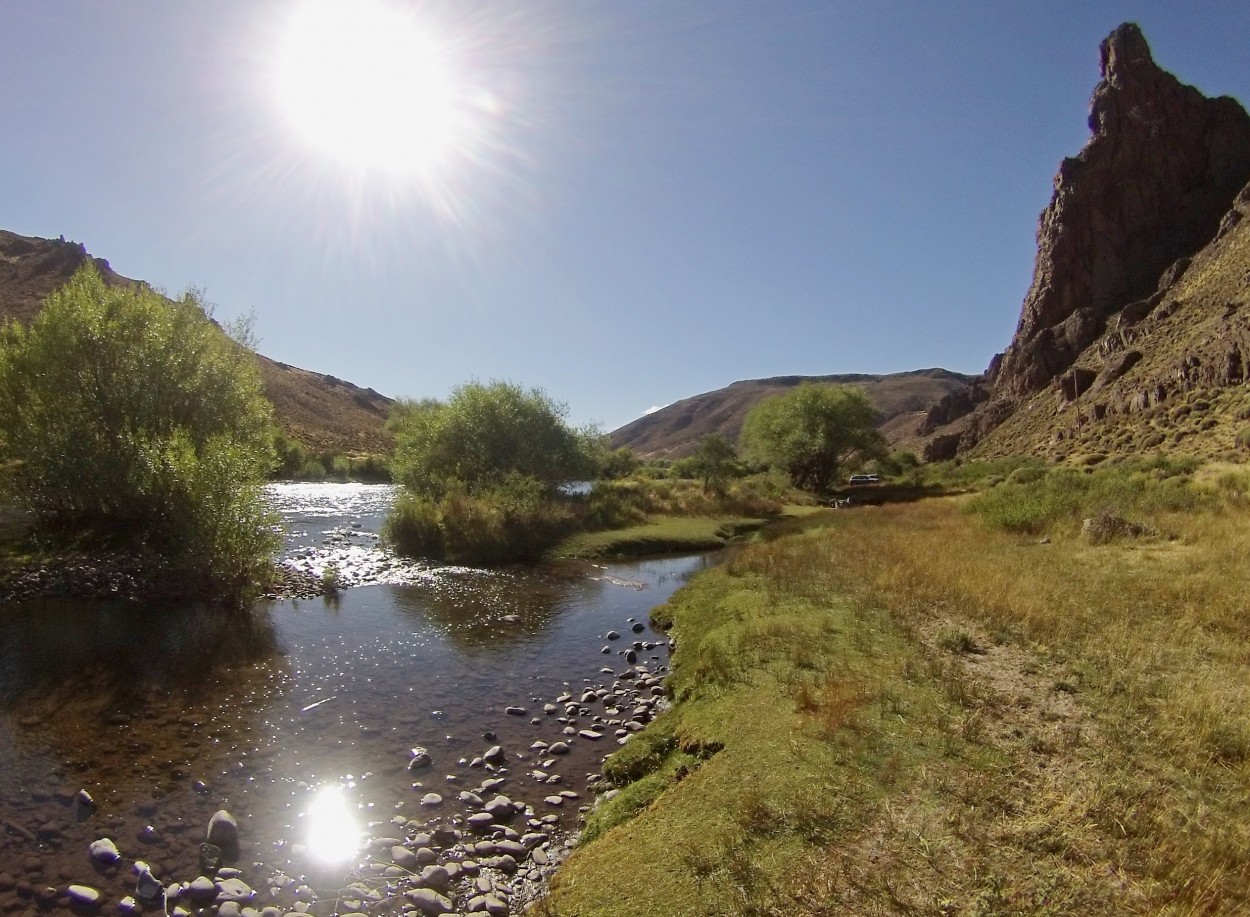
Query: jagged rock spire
x=1161, y=167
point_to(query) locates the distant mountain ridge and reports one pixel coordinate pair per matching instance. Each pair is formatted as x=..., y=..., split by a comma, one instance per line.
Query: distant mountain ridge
x=674, y=431
x=320, y=411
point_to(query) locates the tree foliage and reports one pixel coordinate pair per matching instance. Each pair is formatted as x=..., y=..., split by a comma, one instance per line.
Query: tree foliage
x=484, y=435
x=132, y=420
x=480, y=474
x=812, y=432
x=713, y=461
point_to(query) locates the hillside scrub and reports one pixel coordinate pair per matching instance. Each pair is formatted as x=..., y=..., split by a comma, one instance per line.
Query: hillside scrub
x=132, y=422
x=1033, y=500
x=896, y=711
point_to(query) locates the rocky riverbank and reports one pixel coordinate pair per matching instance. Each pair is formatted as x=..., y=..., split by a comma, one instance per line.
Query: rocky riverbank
x=481, y=833
x=107, y=576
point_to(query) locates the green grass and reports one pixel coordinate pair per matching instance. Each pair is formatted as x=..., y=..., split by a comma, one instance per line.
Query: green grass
x=794, y=719
x=900, y=710
x=657, y=535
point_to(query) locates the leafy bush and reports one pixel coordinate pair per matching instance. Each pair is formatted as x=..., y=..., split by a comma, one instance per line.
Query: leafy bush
x=615, y=504
x=516, y=521
x=482, y=435
x=133, y=421
x=481, y=474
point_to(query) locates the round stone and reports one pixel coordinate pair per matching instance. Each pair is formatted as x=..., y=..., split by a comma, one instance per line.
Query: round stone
x=104, y=851
x=84, y=895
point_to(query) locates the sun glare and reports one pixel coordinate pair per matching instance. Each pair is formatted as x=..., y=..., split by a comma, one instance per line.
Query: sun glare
x=333, y=830
x=371, y=86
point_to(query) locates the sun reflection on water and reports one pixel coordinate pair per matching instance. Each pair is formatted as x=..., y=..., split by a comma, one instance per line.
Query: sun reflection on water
x=333, y=833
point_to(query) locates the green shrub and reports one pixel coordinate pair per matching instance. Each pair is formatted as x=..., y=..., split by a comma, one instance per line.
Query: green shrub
x=311, y=470
x=516, y=521
x=1027, y=474
x=412, y=527
x=370, y=469
x=133, y=421
x=615, y=505
x=1030, y=504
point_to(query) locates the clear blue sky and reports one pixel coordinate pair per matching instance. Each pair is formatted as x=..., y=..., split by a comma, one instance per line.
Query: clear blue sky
x=634, y=201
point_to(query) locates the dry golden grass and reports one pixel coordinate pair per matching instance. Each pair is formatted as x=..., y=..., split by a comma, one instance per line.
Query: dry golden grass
x=970, y=723
x=1153, y=636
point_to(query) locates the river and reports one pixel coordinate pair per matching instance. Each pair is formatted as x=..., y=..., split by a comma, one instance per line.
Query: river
x=165, y=715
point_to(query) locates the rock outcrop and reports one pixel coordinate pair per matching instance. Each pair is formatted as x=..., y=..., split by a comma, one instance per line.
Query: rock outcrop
x=1136, y=292
x=1160, y=170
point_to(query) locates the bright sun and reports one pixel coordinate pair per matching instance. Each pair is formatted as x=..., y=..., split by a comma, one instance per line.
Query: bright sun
x=372, y=87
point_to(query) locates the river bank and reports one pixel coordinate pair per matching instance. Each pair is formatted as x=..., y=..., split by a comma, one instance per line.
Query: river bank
x=423, y=696
x=903, y=710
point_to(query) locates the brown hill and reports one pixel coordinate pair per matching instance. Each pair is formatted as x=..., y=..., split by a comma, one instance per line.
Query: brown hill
x=322, y=412
x=1130, y=336
x=674, y=431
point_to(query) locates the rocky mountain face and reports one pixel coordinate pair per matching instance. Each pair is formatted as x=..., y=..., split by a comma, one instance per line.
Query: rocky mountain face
x=320, y=411
x=674, y=431
x=1157, y=189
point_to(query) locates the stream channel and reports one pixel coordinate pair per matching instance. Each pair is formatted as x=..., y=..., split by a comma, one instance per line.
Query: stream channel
x=339, y=732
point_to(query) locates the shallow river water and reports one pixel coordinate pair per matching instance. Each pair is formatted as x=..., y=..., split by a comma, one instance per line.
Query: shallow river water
x=165, y=715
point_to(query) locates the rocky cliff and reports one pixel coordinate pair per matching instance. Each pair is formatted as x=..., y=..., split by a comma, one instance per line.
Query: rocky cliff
x=1129, y=214
x=320, y=411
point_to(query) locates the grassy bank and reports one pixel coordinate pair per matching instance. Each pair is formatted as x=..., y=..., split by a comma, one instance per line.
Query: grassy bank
x=919, y=709
x=658, y=535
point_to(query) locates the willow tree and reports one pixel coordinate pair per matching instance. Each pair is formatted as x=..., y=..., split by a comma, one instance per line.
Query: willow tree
x=133, y=421
x=812, y=433
x=481, y=473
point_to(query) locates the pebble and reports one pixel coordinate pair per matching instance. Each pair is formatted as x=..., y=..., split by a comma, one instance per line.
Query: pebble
x=431, y=799
x=436, y=877
x=84, y=895
x=223, y=831
x=104, y=851
x=420, y=759
x=428, y=901
x=202, y=888
x=234, y=889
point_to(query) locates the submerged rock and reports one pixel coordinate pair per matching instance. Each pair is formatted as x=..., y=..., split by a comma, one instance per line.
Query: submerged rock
x=104, y=851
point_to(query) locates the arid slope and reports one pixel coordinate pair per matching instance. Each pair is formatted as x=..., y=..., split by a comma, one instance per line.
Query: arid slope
x=674, y=431
x=320, y=411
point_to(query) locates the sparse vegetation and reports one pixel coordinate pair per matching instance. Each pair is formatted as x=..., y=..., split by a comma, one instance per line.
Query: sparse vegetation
x=973, y=723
